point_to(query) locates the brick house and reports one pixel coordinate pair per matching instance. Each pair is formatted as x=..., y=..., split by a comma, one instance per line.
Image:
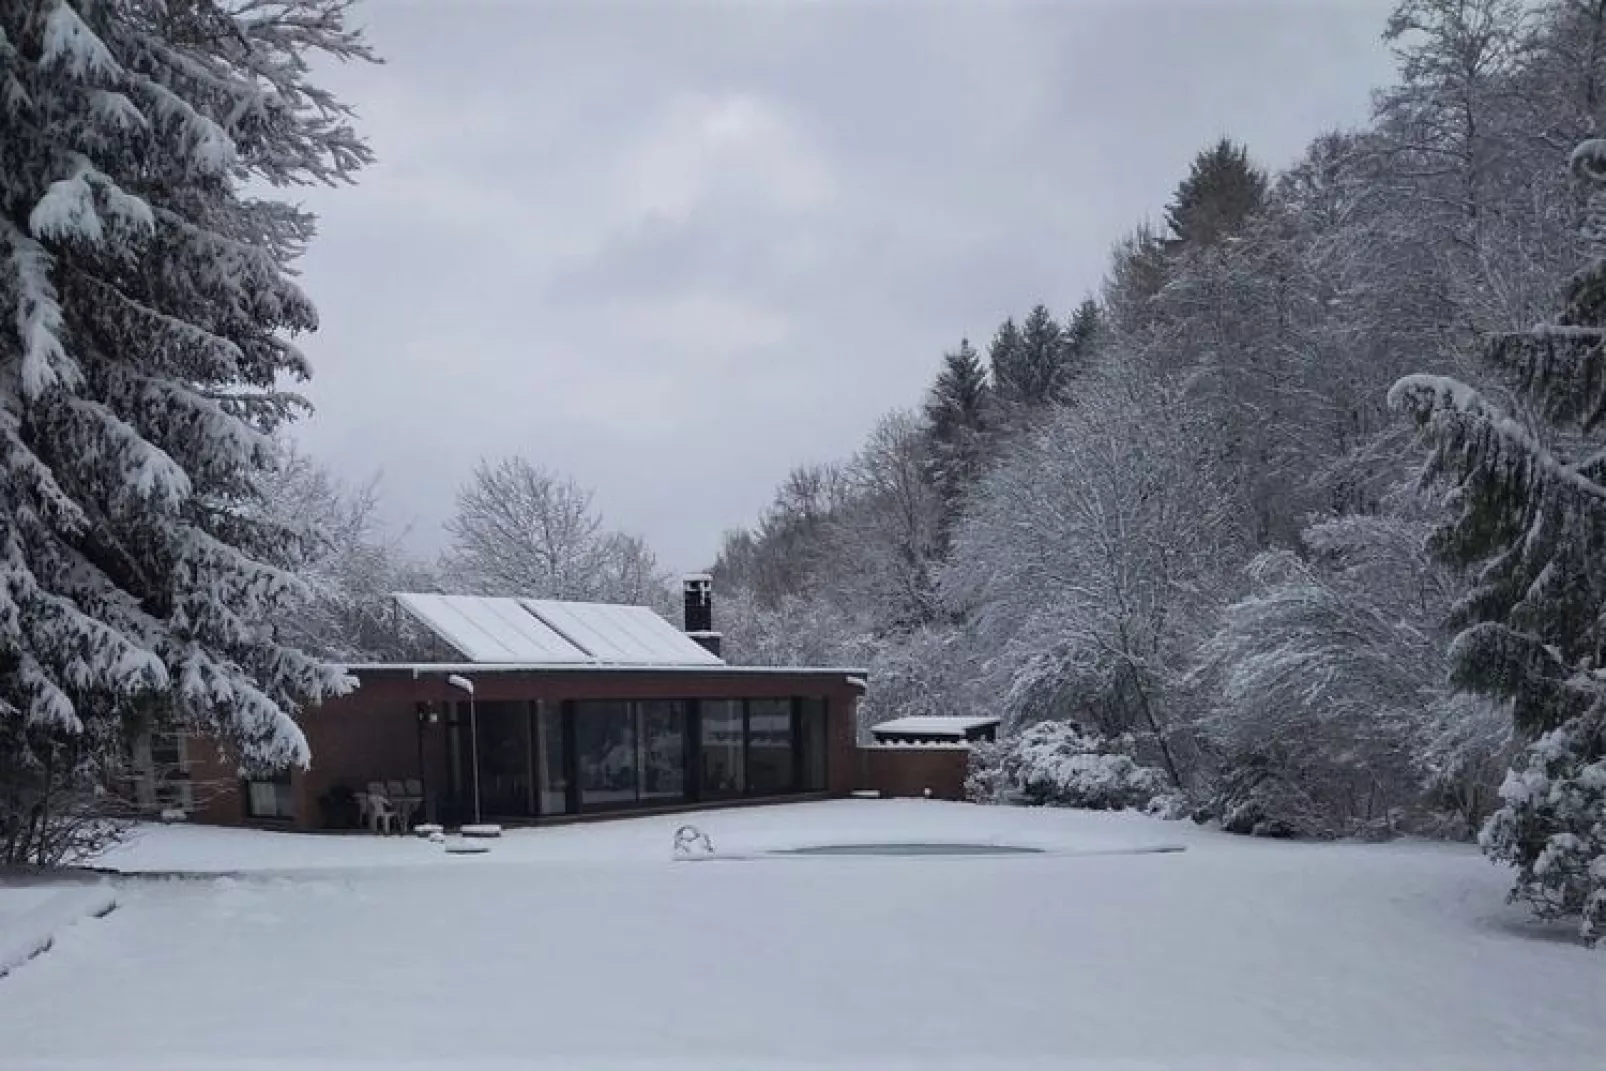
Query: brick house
x=547, y=711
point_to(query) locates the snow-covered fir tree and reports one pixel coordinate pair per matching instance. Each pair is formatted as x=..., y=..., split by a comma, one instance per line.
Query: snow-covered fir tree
x=1081, y=339
x=958, y=418
x=1006, y=357
x=149, y=307
x=1528, y=500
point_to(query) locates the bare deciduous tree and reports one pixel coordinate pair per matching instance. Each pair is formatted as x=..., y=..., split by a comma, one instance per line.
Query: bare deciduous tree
x=523, y=530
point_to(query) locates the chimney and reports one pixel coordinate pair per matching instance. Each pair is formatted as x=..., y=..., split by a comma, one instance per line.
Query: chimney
x=699, y=592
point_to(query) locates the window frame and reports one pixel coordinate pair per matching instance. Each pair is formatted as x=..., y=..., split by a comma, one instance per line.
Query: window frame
x=284, y=801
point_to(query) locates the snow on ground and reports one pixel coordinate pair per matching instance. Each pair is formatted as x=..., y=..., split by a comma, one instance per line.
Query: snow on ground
x=588, y=947
x=32, y=915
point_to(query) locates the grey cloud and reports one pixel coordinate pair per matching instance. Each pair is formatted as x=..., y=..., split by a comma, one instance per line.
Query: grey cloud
x=675, y=249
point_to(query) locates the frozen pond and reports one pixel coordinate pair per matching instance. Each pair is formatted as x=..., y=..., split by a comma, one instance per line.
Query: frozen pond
x=911, y=848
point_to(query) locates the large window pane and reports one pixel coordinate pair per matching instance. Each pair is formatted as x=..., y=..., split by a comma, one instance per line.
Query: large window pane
x=504, y=731
x=814, y=744
x=770, y=769
x=662, y=731
x=722, y=748
x=552, y=777
x=605, y=735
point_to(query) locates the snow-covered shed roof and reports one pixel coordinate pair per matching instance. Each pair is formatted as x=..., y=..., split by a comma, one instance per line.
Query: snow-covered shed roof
x=933, y=728
x=545, y=632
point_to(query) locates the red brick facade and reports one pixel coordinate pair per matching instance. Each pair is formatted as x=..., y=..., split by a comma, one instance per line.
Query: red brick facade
x=376, y=733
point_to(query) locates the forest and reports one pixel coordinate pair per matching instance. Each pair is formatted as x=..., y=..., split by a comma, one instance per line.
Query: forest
x=1295, y=524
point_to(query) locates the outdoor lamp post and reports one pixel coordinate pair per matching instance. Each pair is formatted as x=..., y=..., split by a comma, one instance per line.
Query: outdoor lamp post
x=463, y=684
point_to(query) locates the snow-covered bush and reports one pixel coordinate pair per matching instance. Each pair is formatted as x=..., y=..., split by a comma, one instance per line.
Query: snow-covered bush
x=1171, y=806
x=1258, y=794
x=54, y=807
x=1552, y=826
x=1333, y=716
x=1060, y=764
x=984, y=773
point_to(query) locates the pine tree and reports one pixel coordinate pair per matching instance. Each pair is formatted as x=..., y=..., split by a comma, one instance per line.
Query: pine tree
x=1045, y=357
x=1081, y=340
x=1139, y=270
x=1007, y=356
x=1529, y=514
x=1222, y=190
x=148, y=307
x=957, y=425
x=1033, y=372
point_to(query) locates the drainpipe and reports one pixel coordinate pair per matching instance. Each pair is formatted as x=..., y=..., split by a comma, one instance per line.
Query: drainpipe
x=463, y=684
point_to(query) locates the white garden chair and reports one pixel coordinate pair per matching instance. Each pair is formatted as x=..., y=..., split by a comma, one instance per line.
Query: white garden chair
x=376, y=812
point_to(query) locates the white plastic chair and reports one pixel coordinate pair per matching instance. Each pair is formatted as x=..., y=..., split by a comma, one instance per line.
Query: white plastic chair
x=376, y=812
x=386, y=820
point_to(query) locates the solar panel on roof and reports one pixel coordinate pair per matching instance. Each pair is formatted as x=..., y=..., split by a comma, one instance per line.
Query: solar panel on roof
x=496, y=629
x=491, y=629
x=629, y=635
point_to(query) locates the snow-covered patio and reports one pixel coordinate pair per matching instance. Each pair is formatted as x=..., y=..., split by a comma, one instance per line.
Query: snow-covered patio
x=590, y=947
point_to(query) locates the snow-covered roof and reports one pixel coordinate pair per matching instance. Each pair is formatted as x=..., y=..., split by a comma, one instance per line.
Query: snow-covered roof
x=954, y=728
x=921, y=745
x=548, y=633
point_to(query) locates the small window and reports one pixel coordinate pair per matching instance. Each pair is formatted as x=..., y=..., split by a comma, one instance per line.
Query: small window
x=159, y=777
x=270, y=797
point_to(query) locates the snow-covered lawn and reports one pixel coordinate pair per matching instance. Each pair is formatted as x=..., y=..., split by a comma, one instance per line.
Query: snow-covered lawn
x=589, y=947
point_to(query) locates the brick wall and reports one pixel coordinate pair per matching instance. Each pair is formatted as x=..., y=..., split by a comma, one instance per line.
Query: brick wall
x=215, y=779
x=373, y=733
x=842, y=741
x=910, y=771
x=354, y=742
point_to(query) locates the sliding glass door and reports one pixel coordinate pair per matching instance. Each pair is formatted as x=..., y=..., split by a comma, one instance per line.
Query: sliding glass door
x=642, y=753
x=661, y=730
x=552, y=766
x=771, y=770
x=504, y=743
x=723, y=745
x=605, y=737
x=630, y=752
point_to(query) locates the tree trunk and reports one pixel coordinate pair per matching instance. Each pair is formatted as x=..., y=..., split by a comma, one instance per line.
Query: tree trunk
x=1154, y=727
x=42, y=832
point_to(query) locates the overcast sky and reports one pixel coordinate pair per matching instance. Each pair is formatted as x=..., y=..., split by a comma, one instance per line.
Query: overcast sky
x=675, y=249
